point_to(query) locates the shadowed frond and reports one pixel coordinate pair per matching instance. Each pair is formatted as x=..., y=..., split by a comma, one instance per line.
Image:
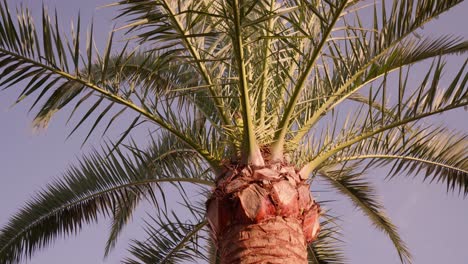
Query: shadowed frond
x=352, y=185
x=101, y=185
x=172, y=243
x=172, y=240
x=121, y=216
x=327, y=249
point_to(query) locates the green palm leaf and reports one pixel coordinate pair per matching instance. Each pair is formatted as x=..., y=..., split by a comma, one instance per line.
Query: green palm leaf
x=428, y=99
x=109, y=78
x=390, y=47
x=100, y=185
x=352, y=185
x=170, y=241
x=438, y=154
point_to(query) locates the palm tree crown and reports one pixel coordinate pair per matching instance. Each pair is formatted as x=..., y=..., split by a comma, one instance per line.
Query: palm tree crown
x=242, y=82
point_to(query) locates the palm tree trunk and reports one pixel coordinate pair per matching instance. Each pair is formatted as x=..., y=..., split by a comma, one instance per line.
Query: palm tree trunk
x=277, y=240
x=262, y=215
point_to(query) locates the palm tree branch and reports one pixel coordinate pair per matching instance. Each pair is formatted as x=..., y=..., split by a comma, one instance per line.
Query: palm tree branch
x=439, y=153
x=283, y=126
x=98, y=185
x=121, y=215
x=198, y=227
x=250, y=150
x=312, y=165
x=361, y=193
x=343, y=92
x=171, y=239
x=149, y=253
x=29, y=54
x=421, y=104
x=120, y=100
x=100, y=194
x=200, y=64
x=401, y=157
x=261, y=108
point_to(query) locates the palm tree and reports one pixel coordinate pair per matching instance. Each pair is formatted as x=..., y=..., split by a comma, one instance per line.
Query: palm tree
x=244, y=100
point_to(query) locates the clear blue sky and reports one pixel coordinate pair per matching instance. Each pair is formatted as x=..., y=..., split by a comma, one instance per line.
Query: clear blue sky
x=432, y=223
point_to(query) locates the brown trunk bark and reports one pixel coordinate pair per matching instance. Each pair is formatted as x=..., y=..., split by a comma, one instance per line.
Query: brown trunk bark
x=262, y=215
x=277, y=240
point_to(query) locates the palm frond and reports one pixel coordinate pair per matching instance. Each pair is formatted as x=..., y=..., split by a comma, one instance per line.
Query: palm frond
x=180, y=30
x=172, y=243
x=44, y=63
x=333, y=12
x=368, y=55
x=250, y=150
x=428, y=99
x=121, y=216
x=327, y=249
x=361, y=193
x=439, y=154
x=172, y=240
x=100, y=185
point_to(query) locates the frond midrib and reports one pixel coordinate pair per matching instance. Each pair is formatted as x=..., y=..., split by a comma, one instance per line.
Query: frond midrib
x=342, y=89
x=201, y=66
x=204, y=153
x=280, y=135
x=312, y=165
x=390, y=156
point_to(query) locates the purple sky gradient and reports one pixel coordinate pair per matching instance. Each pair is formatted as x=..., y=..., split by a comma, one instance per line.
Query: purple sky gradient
x=433, y=223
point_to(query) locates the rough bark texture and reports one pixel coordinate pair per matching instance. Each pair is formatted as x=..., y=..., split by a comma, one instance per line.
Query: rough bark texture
x=262, y=215
x=278, y=240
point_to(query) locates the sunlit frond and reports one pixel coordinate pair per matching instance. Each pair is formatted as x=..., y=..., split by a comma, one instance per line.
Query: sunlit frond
x=104, y=81
x=428, y=99
x=438, y=154
x=368, y=55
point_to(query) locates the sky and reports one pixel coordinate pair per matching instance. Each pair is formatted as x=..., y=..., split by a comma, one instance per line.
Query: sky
x=432, y=223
